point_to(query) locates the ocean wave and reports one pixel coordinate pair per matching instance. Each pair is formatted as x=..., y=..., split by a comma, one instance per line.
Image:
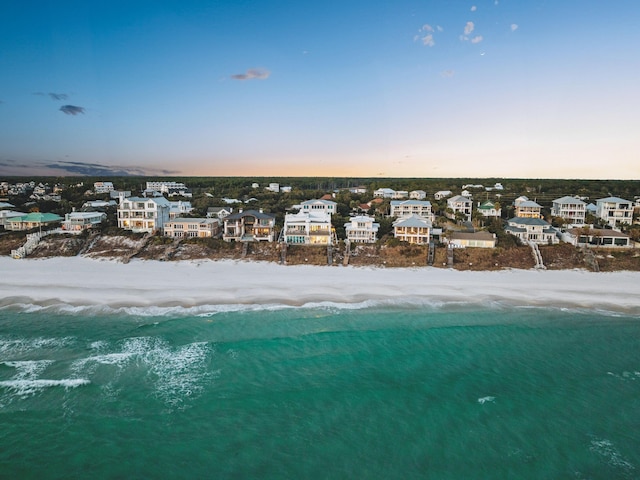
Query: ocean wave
x=14, y=346
x=28, y=387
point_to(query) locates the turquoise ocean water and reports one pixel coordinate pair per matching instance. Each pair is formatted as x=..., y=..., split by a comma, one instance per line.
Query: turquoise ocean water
x=323, y=391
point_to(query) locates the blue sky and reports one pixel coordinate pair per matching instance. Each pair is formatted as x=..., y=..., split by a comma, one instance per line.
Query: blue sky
x=336, y=88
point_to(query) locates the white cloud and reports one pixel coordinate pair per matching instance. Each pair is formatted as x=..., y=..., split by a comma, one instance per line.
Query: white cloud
x=427, y=28
x=474, y=8
x=428, y=40
x=476, y=39
x=439, y=28
x=252, y=73
x=468, y=28
x=514, y=27
x=447, y=73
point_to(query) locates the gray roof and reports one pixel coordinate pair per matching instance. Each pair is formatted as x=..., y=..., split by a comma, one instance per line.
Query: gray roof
x=600, y=232
x=528, y=221
x=250, y=213
x=411, y=202
x=459, y=198
x=412, y=221
x=529, y=203
x=569, y=200
x=483, y=235
x=613, y=200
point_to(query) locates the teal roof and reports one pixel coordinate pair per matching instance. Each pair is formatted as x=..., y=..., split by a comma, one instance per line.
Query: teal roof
x=37, y=217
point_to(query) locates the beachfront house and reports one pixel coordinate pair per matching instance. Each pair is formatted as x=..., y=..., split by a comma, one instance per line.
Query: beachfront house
x=525, y=208
x=482, y=239
x=249, y=226
x=413, y=229
x=320, y=205
x=488, y=209
x=614, y=211
x=361, y=229
x=417, y=195
x=180, y=227
x=5, y=215
x=534, y=230
x=78, y=221
x=459, y=204
x=308, y=228
x=27, y=221
x=403, y=208
x=597, y=237
x=140, y=214
x=572, y=210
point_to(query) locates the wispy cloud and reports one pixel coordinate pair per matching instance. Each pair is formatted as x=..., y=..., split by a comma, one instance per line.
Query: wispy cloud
x=447, y=73
x=474, y=8
x=476, y=39
x=514, y=27
x=71, y=109
x=52, y=95
x=468, y=28
x=425, y=34
x=251, y=74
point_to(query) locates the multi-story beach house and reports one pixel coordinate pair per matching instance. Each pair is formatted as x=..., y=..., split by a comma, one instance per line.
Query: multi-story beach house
x=249, y=226
x=488, y=209
x=614, y=210
x=320, y=205
x=417, y=195
x=534, y=230
x=179, y=208
x=140, y=214
x=403, y=208
x=461, y=204
x=308, y=228
x=78, y=221
x=525, y=208
x=180, y=227
x=571, y=209
x=413, y=229
x=102, y=187
x=361, y=229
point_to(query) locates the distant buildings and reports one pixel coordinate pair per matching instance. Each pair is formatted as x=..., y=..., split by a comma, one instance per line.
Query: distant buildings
x=102, y=187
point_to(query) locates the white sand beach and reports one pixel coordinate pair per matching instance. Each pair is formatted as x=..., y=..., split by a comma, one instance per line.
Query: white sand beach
x=85, y=282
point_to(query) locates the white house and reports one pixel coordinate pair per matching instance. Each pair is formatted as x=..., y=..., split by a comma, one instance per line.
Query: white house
x=361, y=229
x=249, y=226
x=614, y=210
x=597, y=237
x=525, y=208
x=534, y=230
x=326, y=206
x=571, y=209
x=273, y=187
x=358, y=190
x=219, y=212
x=412, y=229
x=384, y=193
x=400, y=194
x=488, y=209
x=143, y=214
x=403, y=208
x=102, y=187
x=461, y=204
x=308, y=228
x=442, y=194
x=192, y=227
x=417, y=195
x=179, y=208
x=77, y=221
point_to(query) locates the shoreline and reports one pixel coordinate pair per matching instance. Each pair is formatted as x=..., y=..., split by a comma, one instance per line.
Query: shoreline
x=83, y=282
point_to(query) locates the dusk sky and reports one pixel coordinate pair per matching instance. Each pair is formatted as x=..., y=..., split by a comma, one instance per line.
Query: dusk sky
x=499, y=88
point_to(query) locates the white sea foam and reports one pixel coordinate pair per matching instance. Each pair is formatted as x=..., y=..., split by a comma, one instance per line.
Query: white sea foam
x=483, y=400
x=25, y=388
x=14, y=346
x=28, y=369
x=606, y=449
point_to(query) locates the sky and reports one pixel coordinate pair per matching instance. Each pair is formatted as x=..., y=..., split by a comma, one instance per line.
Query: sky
x=481, y=88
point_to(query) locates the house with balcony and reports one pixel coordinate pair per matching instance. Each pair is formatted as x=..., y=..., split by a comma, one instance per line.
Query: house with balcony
x=79, y=221
x=27, y=221
x=249, y=226
x=140, y=214
x=488, y=209
x=102, y=187
x=461, y=204
x=308, y=228
x=534, y=230
x=180, y=227
x=403, y=208
x=417, y=195
x=362, y=229
x=571, y=209
x=320, y=205
x=614, y=210
x=525, y=208
x=413, y=229
x=384, y=193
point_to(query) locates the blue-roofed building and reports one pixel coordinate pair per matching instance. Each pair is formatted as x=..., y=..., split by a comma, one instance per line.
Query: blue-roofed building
x=534, y=230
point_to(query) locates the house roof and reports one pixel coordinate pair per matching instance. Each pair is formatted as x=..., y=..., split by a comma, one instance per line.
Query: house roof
x=412, y=221
x=158, y=200
x=320, y=200
x=528, y=221
x=219, y=209
x=6, y=205
x=483, y=235
x=459, y=198
x=600, y=232
x=487, y=205
x=613, y=200
x=37, y=217
x=423, y=203
x=250, y=213
x=528, y=203
x=569, y=200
